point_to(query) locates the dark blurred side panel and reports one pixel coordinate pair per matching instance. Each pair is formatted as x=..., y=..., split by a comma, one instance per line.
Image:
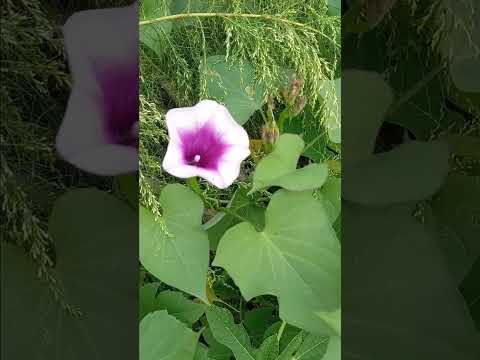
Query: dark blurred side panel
x=69, y=189
x=411, y=186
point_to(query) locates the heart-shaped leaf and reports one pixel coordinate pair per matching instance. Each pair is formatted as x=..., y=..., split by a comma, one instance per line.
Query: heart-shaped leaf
x=279, y=168
x=164, y=337
x=296, y=257
x=235, y=86
x=177, y=251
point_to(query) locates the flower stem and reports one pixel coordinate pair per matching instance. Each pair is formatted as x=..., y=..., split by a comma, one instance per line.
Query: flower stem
x=193, y=183
x=280, y=332
x=281, y=121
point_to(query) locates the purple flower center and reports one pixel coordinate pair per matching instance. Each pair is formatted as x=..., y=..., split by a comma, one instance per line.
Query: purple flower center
x=119, y=102
x=203, y=147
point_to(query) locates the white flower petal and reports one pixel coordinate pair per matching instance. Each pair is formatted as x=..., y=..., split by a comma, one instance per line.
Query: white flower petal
x=230, y=134
x=100, y=37
x=80, y=139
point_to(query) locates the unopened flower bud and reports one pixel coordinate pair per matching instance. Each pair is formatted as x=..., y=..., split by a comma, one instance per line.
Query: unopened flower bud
x=296, y=87
x=293, y=90
x=270, y=133
x=299, y=105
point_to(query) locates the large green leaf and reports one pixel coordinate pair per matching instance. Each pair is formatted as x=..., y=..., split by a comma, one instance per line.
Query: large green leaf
x=296, y=257
x=289, y=333
x=201, y=353
x=269, y=349
x=243, y=205
x=226, y=332
x=313, y=347
x=413, y=171
x=334, y=349
x=366, y=101
x=279, y=168
x=177, y=251
x=94, y=235
x=433, y=323
x=164, y=337
x=150, y=33
x=304, y=313
x=174, y=302
x=179, y=306
x=235, y=86
x=216, y=350
x=292, y=346
x=308, y=125
x=331, y=196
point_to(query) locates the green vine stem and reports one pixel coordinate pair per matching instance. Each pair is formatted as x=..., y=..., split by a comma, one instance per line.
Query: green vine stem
x=193, y=183
x=280, y=332
x=285, y=114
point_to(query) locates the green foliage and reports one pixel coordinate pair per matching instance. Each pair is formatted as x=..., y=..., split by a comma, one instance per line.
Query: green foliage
x=297, y=275
x=234, y=86
x=246, y=55
x=34, y=317
x=234, y=336
x=174, y=302
x=176, y=253
x=280, y=168
x=242, y=204
x=162, y=336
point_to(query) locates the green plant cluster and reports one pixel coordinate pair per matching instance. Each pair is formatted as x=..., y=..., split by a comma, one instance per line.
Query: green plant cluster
x=252, y=271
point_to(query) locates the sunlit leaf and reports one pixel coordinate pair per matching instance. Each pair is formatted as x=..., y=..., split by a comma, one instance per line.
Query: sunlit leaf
x=296, y=257
x=164, y=337
x=176, y=252
x=235, y=86
x=279, y=168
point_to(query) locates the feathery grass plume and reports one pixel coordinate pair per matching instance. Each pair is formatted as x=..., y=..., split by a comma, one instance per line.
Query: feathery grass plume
x=276, y=37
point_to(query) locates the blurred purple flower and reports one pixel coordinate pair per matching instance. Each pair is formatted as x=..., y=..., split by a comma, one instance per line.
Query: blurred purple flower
x=99, y=132
x=205, y=141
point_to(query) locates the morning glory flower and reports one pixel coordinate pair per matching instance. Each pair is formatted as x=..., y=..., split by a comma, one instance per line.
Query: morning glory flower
x=99, y=132
x=205, y=141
